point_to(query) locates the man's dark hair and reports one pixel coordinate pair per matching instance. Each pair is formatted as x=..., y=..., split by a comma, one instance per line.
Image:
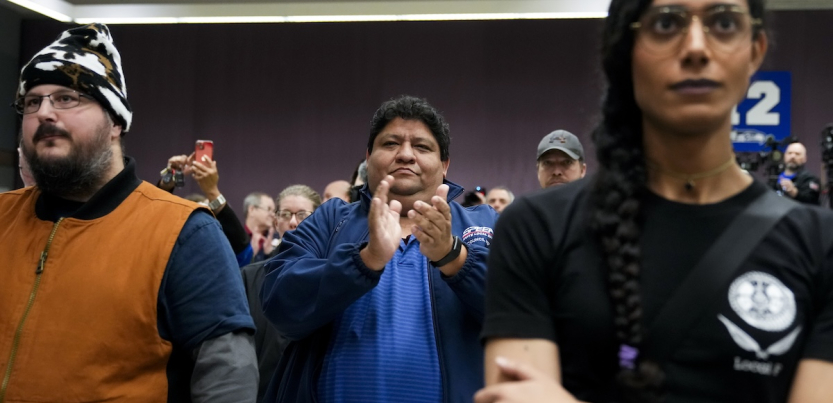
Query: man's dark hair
x=411, y=108
x=618, y=190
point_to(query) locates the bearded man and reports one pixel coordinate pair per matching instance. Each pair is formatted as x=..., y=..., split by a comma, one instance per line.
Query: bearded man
x=795, y=182
x=112, y=289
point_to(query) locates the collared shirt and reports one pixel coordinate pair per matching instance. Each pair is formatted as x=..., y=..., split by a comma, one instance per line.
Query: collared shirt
x=383, y=347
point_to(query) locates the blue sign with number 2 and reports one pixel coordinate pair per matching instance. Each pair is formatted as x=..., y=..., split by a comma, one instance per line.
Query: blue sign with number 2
x=765, y=112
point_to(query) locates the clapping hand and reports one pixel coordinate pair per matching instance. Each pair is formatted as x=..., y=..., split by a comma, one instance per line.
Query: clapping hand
x=383, y=224
x=432, y=225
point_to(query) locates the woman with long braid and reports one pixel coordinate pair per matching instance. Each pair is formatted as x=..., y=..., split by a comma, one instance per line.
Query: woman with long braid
x=577, y=274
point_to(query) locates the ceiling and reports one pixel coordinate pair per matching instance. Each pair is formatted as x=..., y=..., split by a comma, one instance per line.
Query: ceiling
x=183, y=11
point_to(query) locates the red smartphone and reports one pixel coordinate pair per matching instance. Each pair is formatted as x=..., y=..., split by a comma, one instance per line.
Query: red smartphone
x=204, y=147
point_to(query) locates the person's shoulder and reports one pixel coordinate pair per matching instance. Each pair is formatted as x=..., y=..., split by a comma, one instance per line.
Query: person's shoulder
x=556, y=211
x=807, y=175
x=19, y=194
x=556, y=200
x=484, y=211
x=810, y=223
x=334, y=209
x=251, y=270
x=812, y=215
x=198, y=222
x=167, y=202
x=566, y=192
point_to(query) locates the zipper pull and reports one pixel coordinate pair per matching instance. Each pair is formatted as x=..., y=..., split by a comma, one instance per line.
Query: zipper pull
x=39, y=270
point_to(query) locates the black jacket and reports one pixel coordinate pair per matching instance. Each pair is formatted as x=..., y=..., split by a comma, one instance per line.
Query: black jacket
x=268, y=343
x=809, y=187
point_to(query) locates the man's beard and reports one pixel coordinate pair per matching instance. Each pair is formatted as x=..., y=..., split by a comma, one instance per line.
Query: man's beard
x=793, y=167
x=78, y=174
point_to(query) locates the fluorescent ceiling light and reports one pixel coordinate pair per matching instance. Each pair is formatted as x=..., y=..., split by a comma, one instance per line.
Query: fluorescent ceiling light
x=38, y=8
x=298, y=12
x=231, y=20
x=339, y=18
x=120, y=20
x=497, y=16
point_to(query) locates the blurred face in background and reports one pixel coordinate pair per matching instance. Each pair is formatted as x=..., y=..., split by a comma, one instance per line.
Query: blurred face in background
x=262, y=215
x=498, y=199
x=292, y=210
x=555, y=167
x=795, y=156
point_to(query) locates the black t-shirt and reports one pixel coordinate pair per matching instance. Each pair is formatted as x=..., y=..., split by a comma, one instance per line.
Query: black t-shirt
x=546, y=279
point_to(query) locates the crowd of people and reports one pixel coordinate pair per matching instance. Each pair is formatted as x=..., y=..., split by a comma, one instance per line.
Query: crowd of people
x=668, y=274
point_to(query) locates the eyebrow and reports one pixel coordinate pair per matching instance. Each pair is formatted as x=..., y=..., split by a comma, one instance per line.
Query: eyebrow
x=681, y=7
x=423, y=140
x=394, y=136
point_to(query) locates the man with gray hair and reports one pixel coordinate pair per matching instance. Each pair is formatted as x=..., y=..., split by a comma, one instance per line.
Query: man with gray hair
x=500, y=197
x=560, y=159
x=259, y=216
x=112, y=289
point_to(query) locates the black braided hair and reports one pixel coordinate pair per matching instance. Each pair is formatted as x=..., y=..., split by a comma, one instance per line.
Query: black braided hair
x=617, y=193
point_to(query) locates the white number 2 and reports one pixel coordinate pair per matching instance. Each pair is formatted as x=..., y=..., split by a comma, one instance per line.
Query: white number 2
x=761, y=114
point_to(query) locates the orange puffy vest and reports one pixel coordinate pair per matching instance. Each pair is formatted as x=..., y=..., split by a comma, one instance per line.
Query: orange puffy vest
x=78, y=300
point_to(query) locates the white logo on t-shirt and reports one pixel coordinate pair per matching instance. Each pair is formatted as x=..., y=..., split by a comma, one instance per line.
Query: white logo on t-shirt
x=762, y=301
x=746, y=342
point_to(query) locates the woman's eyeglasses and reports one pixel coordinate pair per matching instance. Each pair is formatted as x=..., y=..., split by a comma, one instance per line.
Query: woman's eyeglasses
x=286, y=215
x=663, y=29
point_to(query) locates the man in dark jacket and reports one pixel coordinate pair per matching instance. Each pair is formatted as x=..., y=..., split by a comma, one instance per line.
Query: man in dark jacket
x=795, y=182
x=383, y=299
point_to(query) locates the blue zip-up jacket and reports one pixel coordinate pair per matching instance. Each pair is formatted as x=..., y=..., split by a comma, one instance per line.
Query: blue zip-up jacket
x=319, y=273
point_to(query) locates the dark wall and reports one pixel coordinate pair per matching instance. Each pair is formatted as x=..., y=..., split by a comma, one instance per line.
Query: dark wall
x=802, y=45
x=291, y=103
x=9, y=67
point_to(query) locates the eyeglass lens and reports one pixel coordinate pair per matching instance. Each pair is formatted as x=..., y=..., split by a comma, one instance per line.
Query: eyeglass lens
x=286, y=215
x=725, y=27
x=59, y=100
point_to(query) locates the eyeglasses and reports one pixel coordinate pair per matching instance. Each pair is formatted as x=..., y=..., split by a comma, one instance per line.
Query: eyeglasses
x=286, y=215
x=662, y=29
x=65, y=99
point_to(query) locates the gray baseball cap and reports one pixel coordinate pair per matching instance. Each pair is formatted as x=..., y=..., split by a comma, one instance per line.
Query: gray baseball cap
x=564, y=141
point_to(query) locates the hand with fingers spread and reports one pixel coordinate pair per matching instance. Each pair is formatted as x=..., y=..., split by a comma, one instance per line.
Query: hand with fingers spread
x=383, y=224
x=432, y=225
x=206, y=174
x=528, y=385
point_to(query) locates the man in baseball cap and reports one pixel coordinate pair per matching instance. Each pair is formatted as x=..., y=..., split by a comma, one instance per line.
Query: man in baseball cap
x=112, y=289
x=560, y=159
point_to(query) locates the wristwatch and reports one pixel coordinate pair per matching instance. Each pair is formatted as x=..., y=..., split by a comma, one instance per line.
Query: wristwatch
x=215, y=204
x=456, y=248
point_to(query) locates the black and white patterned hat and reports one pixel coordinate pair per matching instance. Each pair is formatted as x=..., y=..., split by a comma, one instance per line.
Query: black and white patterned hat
x=84, y=59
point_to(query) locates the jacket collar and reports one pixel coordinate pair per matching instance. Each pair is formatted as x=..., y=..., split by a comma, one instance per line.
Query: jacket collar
x=454, y=190
x=110, y=196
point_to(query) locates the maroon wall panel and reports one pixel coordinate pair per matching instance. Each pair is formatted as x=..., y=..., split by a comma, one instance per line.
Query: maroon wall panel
x=291, y=103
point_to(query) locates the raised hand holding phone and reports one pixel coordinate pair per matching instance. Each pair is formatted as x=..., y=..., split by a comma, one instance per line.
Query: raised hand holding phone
x=203, y=148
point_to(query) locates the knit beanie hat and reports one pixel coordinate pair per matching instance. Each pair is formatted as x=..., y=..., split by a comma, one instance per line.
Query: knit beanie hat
x=84, y=59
